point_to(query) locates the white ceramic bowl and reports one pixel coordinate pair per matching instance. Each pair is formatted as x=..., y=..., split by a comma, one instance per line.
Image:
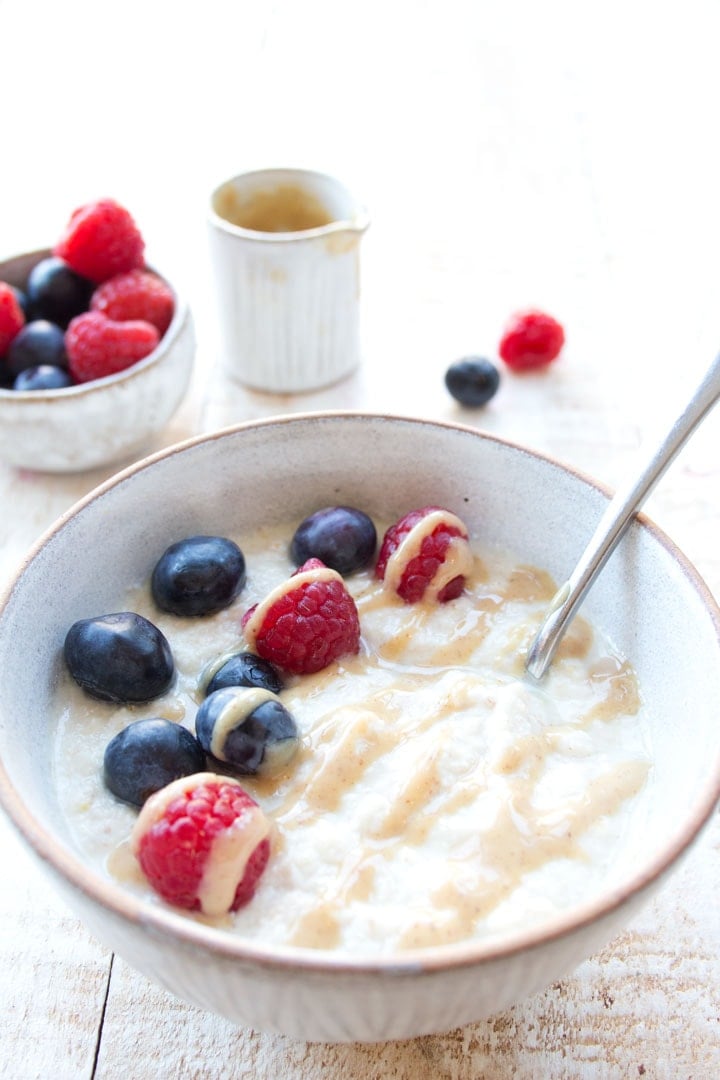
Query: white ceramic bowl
x=648, y=599
x=101, y=422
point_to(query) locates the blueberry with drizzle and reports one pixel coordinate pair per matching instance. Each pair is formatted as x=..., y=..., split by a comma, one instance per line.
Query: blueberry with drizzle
x=248, y=728
x=240, y=669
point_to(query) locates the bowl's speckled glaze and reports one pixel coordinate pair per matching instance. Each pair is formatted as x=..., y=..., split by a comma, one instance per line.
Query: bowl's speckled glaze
x=648, y=600
x=101, y=422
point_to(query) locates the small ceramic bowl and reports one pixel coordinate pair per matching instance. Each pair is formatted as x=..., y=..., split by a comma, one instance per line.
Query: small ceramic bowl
x=648, y=600
x=101, y=422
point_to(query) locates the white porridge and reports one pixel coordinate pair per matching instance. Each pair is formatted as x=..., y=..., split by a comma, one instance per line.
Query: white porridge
x=437, y=795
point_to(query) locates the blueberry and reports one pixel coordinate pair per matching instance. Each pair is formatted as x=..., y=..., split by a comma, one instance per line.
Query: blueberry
x=43, y=377
x=472, y=381
x=121, y=657
x=23, y=301
x=38, y=343
x=340, y=536
x=241, y=669
x=56, y=292
x=198, y=576
x=147, y=755
x=248, y=728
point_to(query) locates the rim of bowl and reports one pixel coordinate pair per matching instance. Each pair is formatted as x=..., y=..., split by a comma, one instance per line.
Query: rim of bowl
x=67, y=393
x=164, y=922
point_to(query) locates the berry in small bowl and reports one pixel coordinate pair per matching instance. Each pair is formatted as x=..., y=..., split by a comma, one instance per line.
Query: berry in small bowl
x=56, y=293
x=118, y=338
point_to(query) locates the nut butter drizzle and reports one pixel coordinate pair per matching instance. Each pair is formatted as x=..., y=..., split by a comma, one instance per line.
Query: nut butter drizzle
x=346, y=743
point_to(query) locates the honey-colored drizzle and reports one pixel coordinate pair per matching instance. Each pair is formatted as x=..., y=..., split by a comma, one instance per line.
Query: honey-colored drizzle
x=360, y=883
x=414, y=796
x=577, y=640
x=515, y=849
x=393, y=648
x=318, y=928
x=623, y=695
x=528, y=584
x=344, y=745
x=343, y=763
x=468, y=634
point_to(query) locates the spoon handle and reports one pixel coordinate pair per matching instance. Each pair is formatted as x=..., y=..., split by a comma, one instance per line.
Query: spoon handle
x=614, y=522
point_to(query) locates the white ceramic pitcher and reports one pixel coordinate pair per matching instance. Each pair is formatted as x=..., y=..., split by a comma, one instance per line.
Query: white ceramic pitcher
x=285, y=250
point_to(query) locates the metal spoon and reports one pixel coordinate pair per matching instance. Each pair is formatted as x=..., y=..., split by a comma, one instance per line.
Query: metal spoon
x=615, y=521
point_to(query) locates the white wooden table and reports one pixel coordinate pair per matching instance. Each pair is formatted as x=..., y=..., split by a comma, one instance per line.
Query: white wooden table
x=558, y=154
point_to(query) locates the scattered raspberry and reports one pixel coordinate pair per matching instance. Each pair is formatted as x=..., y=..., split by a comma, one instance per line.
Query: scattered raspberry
x=305, y=624
x=425, y=553
x=138, y=294
x=101, y=240
x=203, y=843
x=97, y=346
x=531, y=340
x=12, y=319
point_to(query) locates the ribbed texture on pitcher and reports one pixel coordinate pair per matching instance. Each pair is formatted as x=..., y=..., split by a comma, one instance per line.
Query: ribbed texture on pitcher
x=291, y=322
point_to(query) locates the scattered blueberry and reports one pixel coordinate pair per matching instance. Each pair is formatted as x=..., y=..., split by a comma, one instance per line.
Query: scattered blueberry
x=340, y=536
x=56, y=292
x=43, y=377
x=248, y=728
x=38, y=343
x=472, y=381
x=147, y=755
x=198, y=576
x=243, y=669
x=121, y=657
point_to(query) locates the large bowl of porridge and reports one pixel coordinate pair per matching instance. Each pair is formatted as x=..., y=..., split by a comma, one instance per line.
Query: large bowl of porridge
x=450, y=836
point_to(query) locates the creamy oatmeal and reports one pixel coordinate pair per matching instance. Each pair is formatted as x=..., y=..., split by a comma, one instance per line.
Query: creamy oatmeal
x=438, y=794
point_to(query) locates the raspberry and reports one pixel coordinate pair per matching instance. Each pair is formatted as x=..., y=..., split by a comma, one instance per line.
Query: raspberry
x=138, y=294
x=531, y=339
x=202, y=843
x=96, y=346
x=101, y=240
x=306, y=623
x=425, y=554
x=12, y=319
